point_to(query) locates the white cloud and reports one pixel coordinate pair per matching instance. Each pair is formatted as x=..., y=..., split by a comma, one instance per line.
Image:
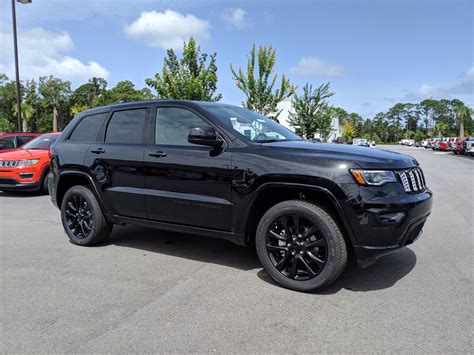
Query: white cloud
x=236, y=17
x=312, y=66
x=463, y=87
x=43, y=52
x=167, y=29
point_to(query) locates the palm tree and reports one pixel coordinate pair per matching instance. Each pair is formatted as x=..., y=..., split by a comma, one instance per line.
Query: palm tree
x=463, y=114
x=441, y=127
x=27, y=113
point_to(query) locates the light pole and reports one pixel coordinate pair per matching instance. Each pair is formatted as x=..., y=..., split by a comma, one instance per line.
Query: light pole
x=17, y=69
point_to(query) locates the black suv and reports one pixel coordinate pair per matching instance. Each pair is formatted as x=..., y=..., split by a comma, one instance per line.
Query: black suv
x=224, y=171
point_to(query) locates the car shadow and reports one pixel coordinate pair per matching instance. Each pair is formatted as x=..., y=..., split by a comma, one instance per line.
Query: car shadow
x=385, y=273
x=204, y=249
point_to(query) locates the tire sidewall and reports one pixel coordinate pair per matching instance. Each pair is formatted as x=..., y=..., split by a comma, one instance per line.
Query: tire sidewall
x=334, y=252
x=87, y=195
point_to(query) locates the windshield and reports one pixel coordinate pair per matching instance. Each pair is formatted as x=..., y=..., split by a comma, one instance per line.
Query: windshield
x=42, y=142
x=251, y=125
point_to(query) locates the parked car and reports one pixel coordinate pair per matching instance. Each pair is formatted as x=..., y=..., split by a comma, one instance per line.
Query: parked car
x=450, y=143
x=457, y=147
x=443, y=144
x=360, y=142
x=425, y=143
x=188, y=167
x=435, y=143
x=468, y=146
x=12, y=141
x=339, y=140
x=27, y=168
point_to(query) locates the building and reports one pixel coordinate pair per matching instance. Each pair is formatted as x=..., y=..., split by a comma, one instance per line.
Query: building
x=283, y=118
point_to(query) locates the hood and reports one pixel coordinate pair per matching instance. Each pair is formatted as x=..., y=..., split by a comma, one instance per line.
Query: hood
x=365, y=157
x=9, y=150
x=21, y=154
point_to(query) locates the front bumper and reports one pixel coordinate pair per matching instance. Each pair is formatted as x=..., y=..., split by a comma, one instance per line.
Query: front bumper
x=20, y=178
x=383, y=221
x=10, y=184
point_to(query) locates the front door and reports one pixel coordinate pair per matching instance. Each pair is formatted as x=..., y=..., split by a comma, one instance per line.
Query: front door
x=186, y=183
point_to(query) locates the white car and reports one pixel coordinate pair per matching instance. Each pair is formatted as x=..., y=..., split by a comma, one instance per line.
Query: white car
x=360, y=141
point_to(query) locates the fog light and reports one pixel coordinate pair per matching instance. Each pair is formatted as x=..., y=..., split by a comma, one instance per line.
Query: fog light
x=26, y=175
x=391, y=218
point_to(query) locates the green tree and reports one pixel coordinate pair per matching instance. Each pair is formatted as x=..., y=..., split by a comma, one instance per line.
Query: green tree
x=312, y=112
x=88, y=95
x=7, y=104
x=463, y=115
x=419, y=135
x=441, y=128
x=348, y=131
x=192, y=77
x=258, y=87
x=55, y=94
x=27, y=115
x=125, y=91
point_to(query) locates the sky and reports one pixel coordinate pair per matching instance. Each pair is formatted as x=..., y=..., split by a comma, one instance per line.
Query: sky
x=374, y=53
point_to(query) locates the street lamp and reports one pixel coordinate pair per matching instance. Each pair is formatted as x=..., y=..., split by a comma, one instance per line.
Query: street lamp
x=17, y=69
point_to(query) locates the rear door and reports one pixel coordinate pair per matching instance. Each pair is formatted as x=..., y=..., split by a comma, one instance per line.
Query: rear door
x=186, y=183
x=117, y=162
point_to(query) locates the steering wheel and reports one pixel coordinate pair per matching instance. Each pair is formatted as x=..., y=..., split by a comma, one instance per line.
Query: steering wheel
x=261, y=137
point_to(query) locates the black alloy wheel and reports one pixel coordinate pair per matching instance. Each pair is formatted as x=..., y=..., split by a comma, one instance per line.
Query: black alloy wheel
x=301, y=245
x=82, y=217
x=297, y=247
x=78, y=216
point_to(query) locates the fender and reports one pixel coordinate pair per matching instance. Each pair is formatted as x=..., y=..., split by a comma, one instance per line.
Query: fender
x=317, y=188
x=95, y=190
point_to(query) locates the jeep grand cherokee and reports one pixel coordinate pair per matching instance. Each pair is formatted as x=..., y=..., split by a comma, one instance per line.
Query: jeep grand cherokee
x=223, y=171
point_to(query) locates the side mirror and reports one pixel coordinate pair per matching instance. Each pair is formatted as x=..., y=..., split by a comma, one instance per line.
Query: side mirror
x=205, y=135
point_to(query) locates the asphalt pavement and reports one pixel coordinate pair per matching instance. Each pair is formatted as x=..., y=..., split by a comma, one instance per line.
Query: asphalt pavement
x=152, y=291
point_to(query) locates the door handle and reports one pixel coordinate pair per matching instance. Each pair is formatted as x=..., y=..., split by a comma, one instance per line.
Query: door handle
x=158, y=154
x=98, y=151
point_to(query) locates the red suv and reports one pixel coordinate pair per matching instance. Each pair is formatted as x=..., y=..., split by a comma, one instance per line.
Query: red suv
x=27, y=168
x=11, y=141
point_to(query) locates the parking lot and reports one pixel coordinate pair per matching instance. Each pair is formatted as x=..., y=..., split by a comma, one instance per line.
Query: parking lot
x=152, y=291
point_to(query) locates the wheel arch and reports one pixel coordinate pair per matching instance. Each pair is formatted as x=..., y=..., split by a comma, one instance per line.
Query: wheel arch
x=68, y=179
x=269, y=194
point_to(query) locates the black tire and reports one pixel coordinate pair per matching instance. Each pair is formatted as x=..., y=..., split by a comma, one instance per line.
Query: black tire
x=85, y=225
x=44, y=183
x=331, y=244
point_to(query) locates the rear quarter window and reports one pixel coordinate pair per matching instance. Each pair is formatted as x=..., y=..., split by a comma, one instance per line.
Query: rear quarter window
x=88, y=128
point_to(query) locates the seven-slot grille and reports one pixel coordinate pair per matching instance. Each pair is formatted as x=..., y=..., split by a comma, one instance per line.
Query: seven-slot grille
x=9, y=163
x=412, y=179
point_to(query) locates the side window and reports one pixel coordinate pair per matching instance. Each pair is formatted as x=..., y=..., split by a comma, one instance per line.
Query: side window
x=173, y=125
x=23, y=139
x=7, y=143
x=88, y=128
x=127, y=127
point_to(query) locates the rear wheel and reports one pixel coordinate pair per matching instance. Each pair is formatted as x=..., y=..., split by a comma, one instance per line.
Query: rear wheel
x=301, y=246
x=82, y=217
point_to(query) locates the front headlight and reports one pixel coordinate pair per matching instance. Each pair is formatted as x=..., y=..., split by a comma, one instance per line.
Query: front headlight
x=373, y=177
x=28, y=162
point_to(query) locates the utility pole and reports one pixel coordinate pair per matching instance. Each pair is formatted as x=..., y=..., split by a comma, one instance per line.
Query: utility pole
x=17, y=67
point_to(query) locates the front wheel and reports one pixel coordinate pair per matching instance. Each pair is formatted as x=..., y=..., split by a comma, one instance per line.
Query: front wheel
x=82, y=217
x=301, y=246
